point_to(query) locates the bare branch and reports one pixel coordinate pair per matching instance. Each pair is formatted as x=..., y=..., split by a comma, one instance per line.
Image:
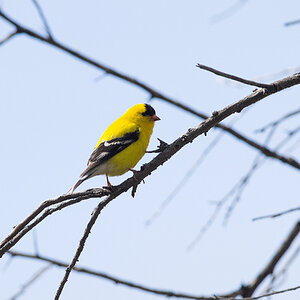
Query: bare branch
x=236, y=190
x=278, y=121
x=21, y=229
x=117, y=280
x=11, y=35
x=30, y=282
x=272, y=216
x=239, y=187
x=258, y=161
x=79, y=250
x=291, y=23
x=184, y=180
x=281, y=274
x=263, y=77
x=161, y=158
x=43, y=18
x=153, y=93
x=233, y=77
x=264, y=295
x=229, y=11
x=244, y=291
x=247, y=291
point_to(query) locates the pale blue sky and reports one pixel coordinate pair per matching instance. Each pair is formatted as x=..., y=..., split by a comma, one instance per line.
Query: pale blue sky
x=53, y=112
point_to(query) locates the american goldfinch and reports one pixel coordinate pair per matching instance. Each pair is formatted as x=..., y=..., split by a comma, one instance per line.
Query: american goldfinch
x=121, y=145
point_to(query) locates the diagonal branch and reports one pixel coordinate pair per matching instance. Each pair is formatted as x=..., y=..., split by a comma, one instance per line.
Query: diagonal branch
x=81, y=245
x=21, y=229
x=278, y=121
x=166, y=202
x=248, y=290
x=43, y=18
x=153, y=93
x=130, y=284
x=9, y=36
x=32, y=280
x=233, y=77
x=264, y=295
x=272, y=216
x=15, y=237
x=244, y=291
x=162, y=157
x=117, y=280
x=291, y=23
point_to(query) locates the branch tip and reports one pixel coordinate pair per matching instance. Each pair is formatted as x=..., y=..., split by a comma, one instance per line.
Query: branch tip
x=235, y=78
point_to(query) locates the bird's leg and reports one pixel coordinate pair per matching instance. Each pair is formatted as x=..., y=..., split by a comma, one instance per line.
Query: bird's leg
x=107, y=181
x=109, y=186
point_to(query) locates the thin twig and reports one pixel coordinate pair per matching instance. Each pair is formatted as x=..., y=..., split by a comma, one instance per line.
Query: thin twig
x=237, y=190
x=291, y=23
x=248, y=290
x=279, y=121
x=26, y=285
x=81, y=245
x=263, y=77
x=264, y=295
x=233, y=77
x=8, y=37
x=21, y=229
x=45, y=214
x=245, y=290
x=239, y=187
x=43, y=18
x=153, y=93
x=272, y=216
x=114, y=279
x=184, y=180
x=212, y=218
x=258, y=161
x=229, y=11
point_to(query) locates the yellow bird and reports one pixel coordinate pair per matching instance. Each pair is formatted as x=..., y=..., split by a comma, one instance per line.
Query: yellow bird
x=121, y=145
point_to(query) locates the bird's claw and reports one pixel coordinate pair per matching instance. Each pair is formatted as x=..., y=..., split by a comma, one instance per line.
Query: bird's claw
x=110, y=188
x=160, y=148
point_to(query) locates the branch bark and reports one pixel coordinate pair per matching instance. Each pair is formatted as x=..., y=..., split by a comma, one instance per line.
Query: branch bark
x=235, y=78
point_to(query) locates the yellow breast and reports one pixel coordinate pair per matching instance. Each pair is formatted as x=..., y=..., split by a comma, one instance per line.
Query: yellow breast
x=129, y=157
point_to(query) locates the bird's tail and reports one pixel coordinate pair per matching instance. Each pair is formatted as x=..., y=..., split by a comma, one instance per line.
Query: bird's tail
x=77, y=184
x=86, y=174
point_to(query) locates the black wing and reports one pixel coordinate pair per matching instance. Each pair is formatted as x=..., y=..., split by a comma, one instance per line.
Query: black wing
x=108, y=149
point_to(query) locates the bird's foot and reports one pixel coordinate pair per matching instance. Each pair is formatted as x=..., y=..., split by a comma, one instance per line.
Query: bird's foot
x=109, y=188
x=160, y=148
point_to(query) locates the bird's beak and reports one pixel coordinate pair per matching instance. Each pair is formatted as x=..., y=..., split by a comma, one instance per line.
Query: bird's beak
x=155, y=118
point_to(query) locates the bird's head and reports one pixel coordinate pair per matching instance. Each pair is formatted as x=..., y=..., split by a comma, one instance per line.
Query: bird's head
x=142, y=114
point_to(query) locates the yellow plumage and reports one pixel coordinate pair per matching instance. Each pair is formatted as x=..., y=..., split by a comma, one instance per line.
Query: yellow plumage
x=122, y=144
